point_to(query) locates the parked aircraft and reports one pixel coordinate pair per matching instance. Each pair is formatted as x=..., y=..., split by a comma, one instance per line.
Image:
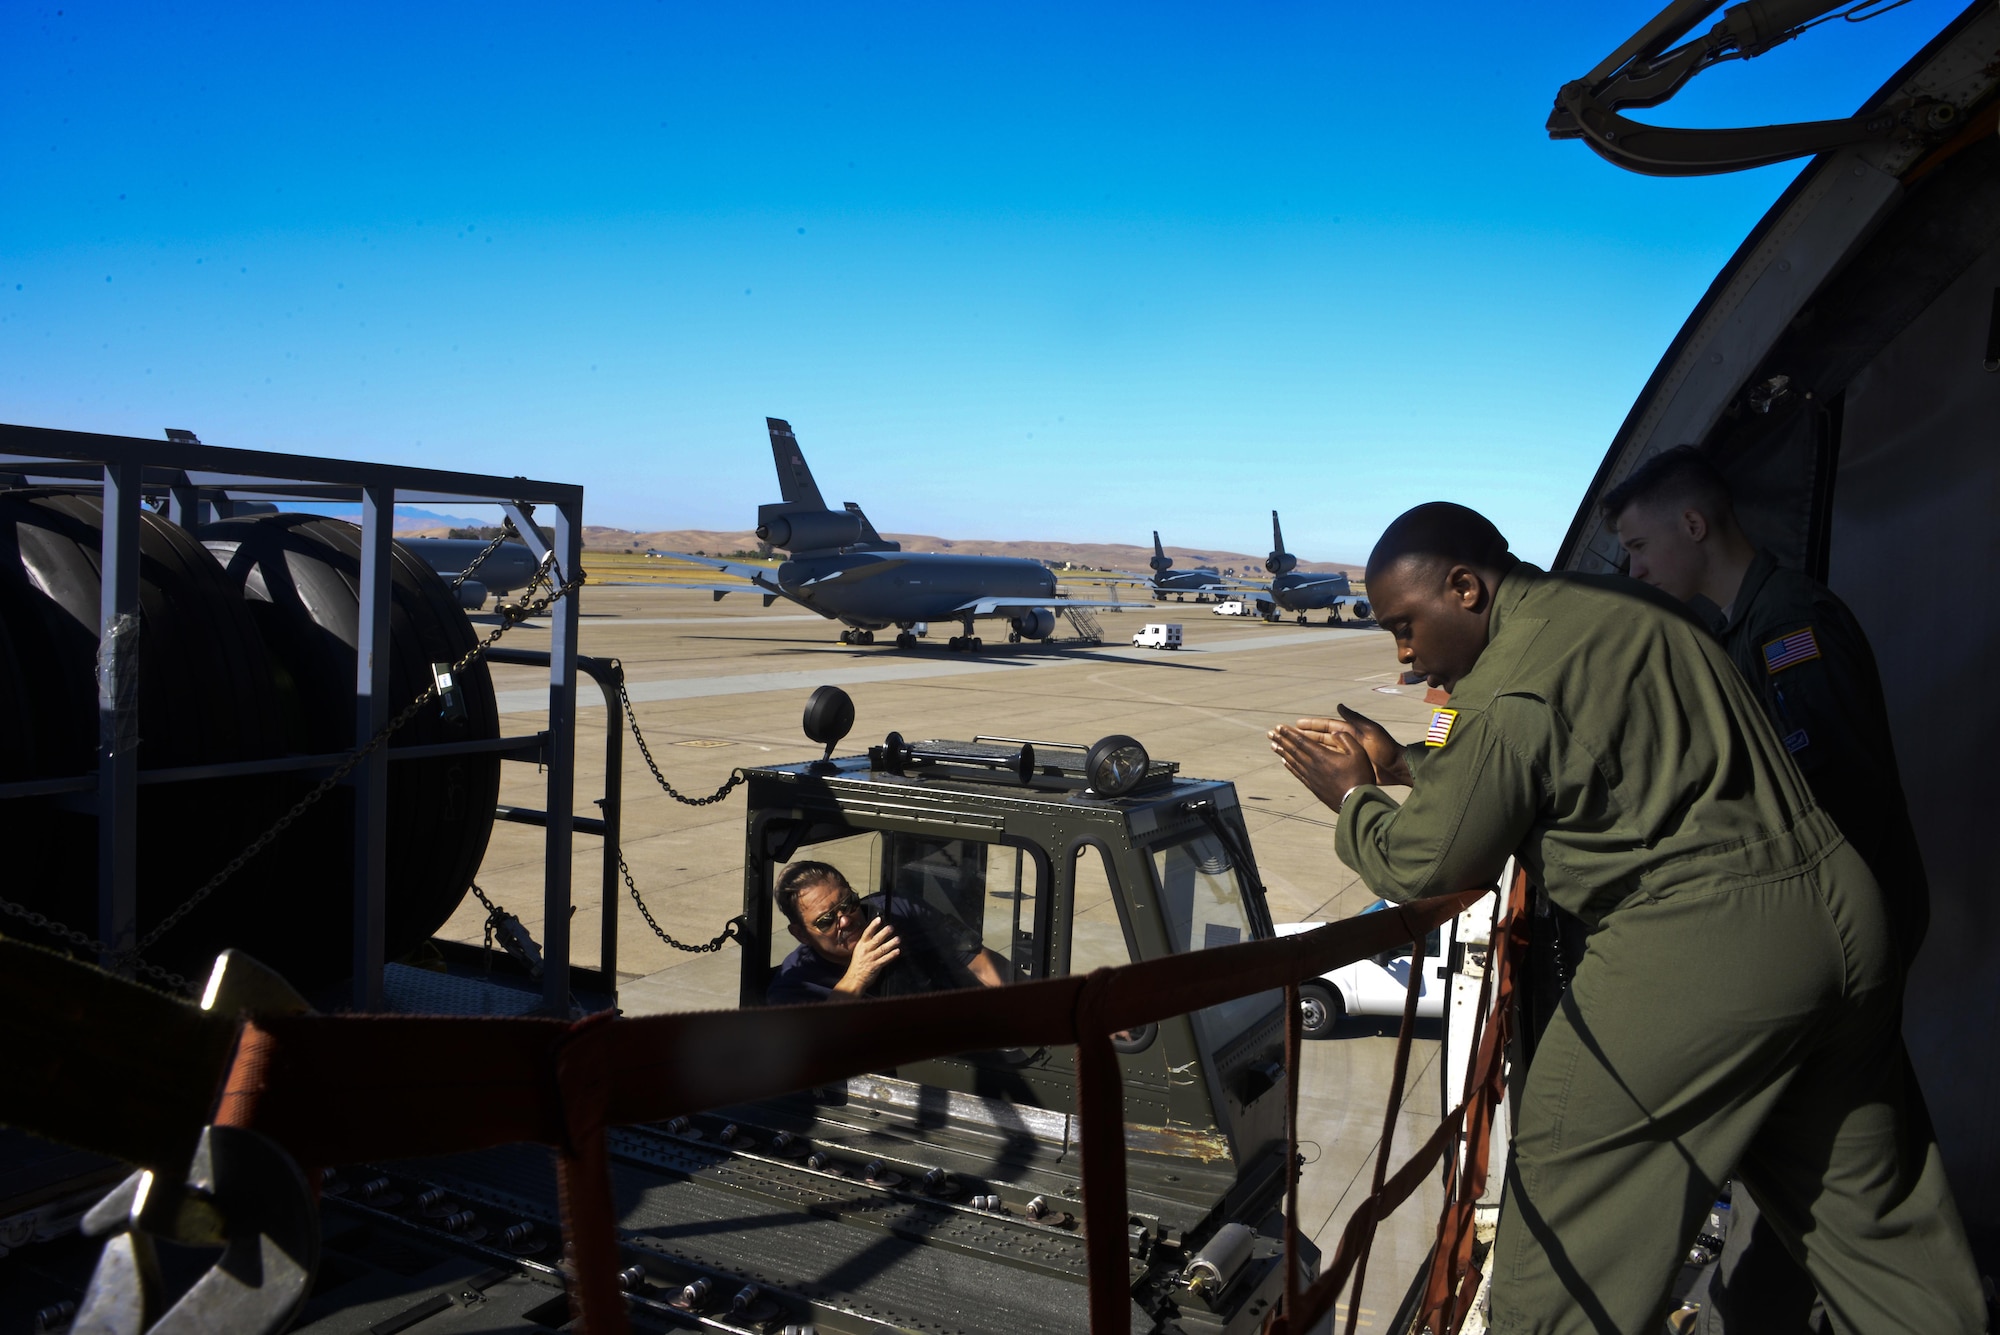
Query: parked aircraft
x=1202, y=581
x=841, y=568
x=510, y=567
x=1299, y=594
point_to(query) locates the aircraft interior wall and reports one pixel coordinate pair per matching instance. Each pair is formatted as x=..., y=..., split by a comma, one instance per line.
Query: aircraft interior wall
x=1914, y=507
x=1774, y=490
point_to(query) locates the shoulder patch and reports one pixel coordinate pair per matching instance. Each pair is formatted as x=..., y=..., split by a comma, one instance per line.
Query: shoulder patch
x=1440, y=729
x=1801, y=646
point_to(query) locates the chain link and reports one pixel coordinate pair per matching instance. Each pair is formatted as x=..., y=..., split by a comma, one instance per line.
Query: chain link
x=731, y=930
x=132, y=958
x=736, y=776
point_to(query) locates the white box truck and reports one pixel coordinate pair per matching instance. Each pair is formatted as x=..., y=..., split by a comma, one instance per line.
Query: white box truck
x=1158, y=635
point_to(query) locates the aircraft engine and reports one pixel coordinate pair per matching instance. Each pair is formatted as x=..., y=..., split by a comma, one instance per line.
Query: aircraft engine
x=472, y=595
x=1035, y=624
x=1281, y=563
x=810, y=530
x=1360, y=609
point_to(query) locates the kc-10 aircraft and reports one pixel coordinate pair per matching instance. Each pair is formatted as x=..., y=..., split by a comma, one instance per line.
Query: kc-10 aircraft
x=1293, y=592
x=508, y=567
x=1200, y=581
x=841, y=568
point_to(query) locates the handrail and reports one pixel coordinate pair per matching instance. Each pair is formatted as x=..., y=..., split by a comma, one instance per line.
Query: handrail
x=335, y=1089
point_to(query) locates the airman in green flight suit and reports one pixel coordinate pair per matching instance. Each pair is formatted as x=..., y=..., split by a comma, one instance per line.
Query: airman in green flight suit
x=1601, y=736
x=1809, y=664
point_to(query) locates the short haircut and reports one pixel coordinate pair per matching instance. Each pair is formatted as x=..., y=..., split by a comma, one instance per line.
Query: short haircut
x=803, y=876
x=1679, y=479
x=1440, y=533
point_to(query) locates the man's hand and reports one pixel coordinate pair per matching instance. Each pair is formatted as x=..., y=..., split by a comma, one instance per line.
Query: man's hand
x=1329, y=764
x=874, y=950
x=1387, y=753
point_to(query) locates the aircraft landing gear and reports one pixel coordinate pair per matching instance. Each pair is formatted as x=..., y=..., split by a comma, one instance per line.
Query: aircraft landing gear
x=965, y=644
x=1302, y=618
x=857, y=637
x=905, y=640
x=1013, y=637
x=1333, y=618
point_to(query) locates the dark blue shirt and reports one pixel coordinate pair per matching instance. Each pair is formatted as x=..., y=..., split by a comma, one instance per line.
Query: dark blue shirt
x=933, y=952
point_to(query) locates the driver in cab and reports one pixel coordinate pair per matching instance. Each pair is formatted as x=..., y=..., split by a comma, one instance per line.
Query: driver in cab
x=879, y=946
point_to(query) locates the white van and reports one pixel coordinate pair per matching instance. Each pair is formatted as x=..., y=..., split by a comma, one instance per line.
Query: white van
x=1235, y=607
x=1374, y=986
x=1158, y=635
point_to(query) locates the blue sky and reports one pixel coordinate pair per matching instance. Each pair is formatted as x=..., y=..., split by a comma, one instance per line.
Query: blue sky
x=1011, y=271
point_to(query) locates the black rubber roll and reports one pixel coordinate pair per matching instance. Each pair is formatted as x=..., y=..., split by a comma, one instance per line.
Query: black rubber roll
x=300, y=577
x=205, y=695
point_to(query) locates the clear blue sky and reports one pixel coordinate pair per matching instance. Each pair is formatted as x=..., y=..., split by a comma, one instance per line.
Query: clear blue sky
x=1063, y=271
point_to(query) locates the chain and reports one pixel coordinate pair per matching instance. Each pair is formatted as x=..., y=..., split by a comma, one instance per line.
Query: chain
x=493, y=914
x=91, y=945
x=284, y=822
x=491, y=548
x=731, y=930
x=632, y=721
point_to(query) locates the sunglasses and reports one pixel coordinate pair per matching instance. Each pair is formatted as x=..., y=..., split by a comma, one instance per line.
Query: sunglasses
x=846, y=907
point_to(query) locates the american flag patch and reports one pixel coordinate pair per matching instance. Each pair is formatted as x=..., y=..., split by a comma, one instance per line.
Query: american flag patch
x=1799, y=647
x=1441, y=723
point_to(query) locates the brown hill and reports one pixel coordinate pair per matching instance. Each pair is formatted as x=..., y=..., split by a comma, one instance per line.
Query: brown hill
x=1088, y=555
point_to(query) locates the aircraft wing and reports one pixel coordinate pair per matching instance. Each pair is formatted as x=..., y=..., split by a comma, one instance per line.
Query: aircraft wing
x=756, y=579
x=759, y=575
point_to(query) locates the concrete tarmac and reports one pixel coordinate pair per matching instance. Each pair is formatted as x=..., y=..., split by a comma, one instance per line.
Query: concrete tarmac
x=720, y=685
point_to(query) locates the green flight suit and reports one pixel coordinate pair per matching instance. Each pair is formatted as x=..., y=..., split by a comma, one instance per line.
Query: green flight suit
x=1809, y=663
x=1736, y=1006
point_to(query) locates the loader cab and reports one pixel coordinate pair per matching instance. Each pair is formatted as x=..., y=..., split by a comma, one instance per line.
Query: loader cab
x=1011, y=845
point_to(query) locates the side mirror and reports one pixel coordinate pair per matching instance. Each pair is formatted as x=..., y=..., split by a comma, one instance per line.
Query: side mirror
x=829, y=717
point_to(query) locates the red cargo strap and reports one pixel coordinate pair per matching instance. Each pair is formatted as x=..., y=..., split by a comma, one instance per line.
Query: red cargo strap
x=336, y=1089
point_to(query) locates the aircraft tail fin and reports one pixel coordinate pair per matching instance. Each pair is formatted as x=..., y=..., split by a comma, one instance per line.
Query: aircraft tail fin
x=868, y=534
x=1280, y=562
x=795, y=479
x=1161, y=561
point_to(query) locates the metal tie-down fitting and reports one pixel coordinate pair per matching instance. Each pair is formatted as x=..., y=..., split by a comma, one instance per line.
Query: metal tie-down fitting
x=745, y=1296
x=818, y=1160
x=1037, y=1208
x=632, y=1278
x=695, y=1294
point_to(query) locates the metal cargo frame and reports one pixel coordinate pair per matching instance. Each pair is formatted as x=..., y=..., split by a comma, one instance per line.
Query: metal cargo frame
x=191, y=480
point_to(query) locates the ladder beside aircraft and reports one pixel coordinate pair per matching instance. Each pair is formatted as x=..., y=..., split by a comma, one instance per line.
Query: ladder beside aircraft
x=1084, y=624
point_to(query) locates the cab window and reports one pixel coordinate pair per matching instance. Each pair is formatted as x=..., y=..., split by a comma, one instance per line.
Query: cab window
x=1201, y=899
x=993, y=891
x=1199, y=893
x=1097, y=937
